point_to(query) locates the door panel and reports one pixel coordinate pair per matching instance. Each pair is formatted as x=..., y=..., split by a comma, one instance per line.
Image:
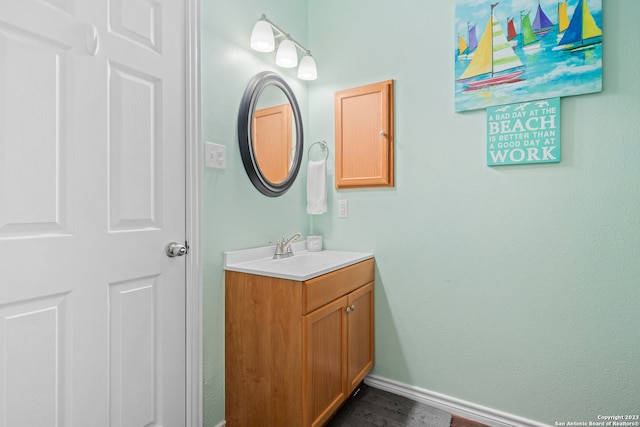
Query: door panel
x=92, y=188
x=138, y=21
x=35, y=352
x=135, y=142
x=134, y=344
x=35, y=185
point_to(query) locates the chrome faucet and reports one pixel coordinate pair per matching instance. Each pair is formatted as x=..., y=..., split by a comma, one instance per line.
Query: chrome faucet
x=286, y=244
x=283, y=247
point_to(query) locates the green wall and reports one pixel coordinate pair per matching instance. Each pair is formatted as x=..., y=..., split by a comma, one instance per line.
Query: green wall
x=236, y=215
x=516, y=288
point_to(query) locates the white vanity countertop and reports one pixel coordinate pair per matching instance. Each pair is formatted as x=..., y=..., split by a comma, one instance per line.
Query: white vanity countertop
x=304, y=265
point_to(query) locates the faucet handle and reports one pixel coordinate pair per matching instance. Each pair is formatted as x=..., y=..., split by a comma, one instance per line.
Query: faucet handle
x=279, y=253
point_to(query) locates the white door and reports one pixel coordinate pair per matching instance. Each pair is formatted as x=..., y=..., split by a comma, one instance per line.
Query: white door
x=92, y=188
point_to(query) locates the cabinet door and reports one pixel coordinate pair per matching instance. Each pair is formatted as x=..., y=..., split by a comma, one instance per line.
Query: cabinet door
x=364, y=136
x=324, y=386
x=360, y=335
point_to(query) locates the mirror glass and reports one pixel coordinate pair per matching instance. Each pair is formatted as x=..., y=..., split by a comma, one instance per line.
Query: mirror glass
x=273, y=135
x=270, y=134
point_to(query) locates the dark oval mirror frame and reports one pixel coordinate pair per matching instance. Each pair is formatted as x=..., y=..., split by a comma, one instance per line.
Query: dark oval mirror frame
x=245, y=119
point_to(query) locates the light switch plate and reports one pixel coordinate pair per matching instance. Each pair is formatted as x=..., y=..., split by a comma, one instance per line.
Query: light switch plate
x=215, y=155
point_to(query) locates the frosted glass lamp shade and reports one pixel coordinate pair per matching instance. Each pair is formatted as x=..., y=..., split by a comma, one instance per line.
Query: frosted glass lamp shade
x=287, y=57
x=262, y=37
x=307, y=69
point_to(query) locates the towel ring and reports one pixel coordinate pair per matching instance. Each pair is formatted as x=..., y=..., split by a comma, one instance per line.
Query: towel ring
x=324, y=147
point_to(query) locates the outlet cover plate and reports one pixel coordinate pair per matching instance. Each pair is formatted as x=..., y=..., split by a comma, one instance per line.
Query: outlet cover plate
x=343, y=209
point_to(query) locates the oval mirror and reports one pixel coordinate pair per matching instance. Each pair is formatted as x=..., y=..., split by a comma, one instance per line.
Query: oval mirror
x=270, y=134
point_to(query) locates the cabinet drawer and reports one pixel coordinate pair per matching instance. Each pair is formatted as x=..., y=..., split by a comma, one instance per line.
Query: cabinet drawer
x=328, y=287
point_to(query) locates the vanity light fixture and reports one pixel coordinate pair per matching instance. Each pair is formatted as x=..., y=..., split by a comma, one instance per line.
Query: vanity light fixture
x=307, y=69
x=287, y=57
x=263, y=40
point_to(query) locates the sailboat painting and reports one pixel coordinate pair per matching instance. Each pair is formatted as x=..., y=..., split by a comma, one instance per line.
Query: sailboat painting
x=467, y=49
x=530, y=41
x=526, y=50
x=542, y=25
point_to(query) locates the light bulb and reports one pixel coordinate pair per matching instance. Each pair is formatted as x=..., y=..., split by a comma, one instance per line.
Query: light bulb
x=287, y=57
x=262, y=37
x=307, y=69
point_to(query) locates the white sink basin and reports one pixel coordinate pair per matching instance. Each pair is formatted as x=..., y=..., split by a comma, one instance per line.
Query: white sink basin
x=304, y=265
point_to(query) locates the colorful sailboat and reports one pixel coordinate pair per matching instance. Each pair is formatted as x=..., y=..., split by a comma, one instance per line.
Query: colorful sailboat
x=467, y=49
x=530, y=42
x=583, y=31
x=512, y=35
x=563, y=19
x=473, y=40
x=494, y=62
x=541, y=24
x=463, y=47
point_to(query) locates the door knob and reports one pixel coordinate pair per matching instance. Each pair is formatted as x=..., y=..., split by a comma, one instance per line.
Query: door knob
x=174, y=249
x=92, y=39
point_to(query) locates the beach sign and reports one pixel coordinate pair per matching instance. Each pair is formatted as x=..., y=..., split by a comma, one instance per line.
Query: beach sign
x=524, y=133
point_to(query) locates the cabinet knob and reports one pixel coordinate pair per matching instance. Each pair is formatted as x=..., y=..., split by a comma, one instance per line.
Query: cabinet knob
x=353, y=307
x=348, y=310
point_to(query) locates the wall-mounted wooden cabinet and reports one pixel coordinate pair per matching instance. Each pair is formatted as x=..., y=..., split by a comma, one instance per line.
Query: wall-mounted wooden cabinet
x=364, y=136
x=294, y=351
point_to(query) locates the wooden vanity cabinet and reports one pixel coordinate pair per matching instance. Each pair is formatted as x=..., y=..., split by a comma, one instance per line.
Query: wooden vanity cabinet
x=296, y=350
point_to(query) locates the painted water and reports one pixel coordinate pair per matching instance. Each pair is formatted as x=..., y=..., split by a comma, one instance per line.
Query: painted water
x=543, y=68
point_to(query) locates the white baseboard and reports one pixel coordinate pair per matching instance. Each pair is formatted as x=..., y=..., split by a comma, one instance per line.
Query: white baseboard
x=467, y=410
x=221, y=424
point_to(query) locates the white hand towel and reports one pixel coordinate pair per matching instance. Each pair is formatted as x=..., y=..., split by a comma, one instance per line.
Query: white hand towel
x=317, y=187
